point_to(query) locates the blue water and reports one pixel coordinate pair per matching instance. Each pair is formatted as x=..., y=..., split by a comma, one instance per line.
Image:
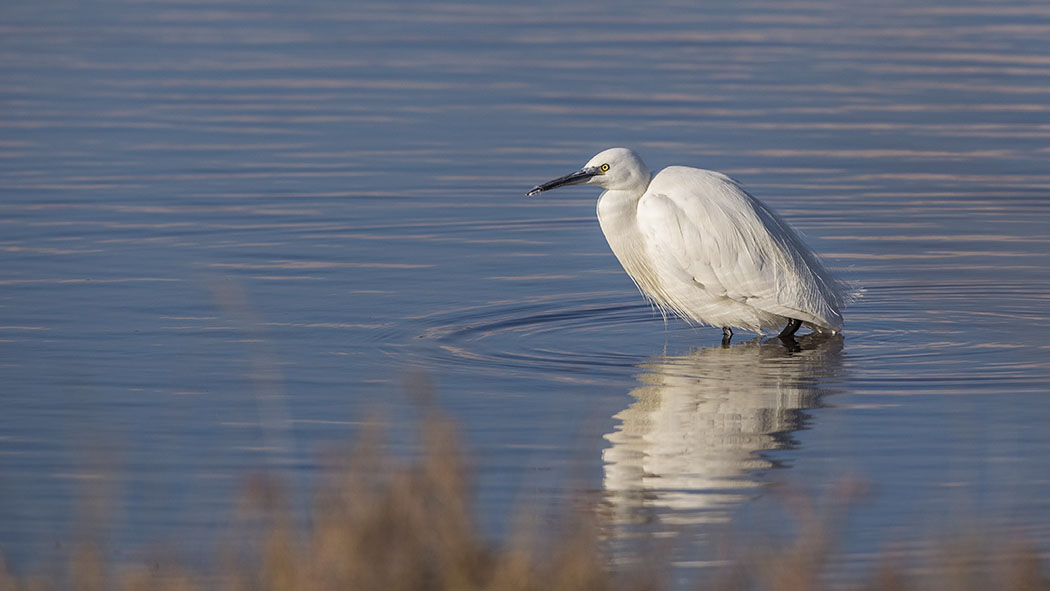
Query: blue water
x=230, y=232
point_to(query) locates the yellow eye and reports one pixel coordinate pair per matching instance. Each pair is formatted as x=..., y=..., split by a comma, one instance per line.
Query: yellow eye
x=605, y=168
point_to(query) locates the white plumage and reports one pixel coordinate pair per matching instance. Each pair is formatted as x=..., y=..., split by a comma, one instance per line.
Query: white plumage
x=697, y=244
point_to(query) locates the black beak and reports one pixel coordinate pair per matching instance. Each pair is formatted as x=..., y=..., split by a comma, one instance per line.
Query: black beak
x=577, y=178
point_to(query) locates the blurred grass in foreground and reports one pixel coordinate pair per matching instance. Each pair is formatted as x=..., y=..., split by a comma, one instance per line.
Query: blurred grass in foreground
x=378, y=524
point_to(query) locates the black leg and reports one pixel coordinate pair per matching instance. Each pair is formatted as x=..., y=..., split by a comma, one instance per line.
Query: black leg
x=789, y=330
x=727, y=336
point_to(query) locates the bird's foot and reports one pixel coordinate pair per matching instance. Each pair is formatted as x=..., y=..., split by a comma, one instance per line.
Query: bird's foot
x=787, y=336
x=790, y=343
x=789, y=330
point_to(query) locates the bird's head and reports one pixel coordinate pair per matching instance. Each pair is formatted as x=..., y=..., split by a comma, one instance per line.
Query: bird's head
x=615, y=169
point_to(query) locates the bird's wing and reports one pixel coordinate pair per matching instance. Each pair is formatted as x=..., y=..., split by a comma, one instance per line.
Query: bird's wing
x=702, y=227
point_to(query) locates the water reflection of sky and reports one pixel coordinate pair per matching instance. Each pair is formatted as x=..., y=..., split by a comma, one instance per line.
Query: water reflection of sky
x=356, y=174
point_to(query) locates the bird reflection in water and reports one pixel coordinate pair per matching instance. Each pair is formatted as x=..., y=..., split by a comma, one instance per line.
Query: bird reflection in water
x=689, y=448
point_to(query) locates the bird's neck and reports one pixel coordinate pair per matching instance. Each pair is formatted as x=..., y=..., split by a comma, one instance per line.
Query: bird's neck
x=617, y=215
x=618, y=207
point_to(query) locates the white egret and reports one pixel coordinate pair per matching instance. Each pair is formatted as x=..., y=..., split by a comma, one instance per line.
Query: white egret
x=700, y=246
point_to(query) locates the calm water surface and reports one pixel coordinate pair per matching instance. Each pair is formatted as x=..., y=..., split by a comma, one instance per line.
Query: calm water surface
x=229, y=230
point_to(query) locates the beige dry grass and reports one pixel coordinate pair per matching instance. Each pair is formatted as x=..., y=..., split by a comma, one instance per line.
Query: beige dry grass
x=379, y=524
